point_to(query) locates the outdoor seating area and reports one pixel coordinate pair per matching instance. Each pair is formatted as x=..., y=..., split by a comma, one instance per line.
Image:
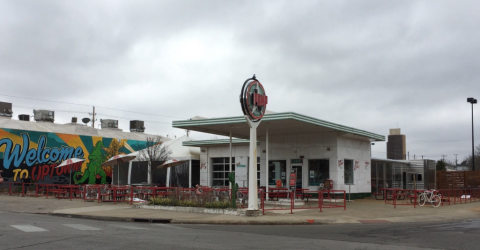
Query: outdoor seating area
x=284, y=199
x=300, y=199
x=396, y=196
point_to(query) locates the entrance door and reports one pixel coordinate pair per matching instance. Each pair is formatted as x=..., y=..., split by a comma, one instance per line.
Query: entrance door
x=299, y=176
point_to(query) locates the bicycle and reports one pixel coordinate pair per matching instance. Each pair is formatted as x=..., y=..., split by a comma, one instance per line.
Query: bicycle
x=430, y=196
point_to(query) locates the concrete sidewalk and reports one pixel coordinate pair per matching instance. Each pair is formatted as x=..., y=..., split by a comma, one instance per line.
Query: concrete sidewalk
x=359, y=211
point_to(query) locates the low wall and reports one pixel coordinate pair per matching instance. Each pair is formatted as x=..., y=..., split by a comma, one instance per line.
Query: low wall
x=228, y=211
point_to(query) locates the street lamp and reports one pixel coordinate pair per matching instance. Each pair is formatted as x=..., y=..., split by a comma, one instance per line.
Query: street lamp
x=472, y=101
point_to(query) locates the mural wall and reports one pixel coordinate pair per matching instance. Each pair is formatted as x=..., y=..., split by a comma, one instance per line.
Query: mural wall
x=34, y=155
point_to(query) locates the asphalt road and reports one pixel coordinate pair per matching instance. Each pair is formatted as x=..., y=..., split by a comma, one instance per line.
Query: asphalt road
x=30, y=231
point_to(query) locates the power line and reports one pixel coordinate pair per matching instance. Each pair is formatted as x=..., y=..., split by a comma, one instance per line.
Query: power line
x=141, y=113
x=439, y=141
x=28, y=98
x=56, y=110
x=119, y=117
x=83, y=112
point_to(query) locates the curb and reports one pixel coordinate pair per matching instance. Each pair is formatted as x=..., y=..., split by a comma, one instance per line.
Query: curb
x=90, y=217
x=172, y=221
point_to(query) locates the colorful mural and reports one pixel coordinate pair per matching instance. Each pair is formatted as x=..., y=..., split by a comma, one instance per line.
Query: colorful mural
x=34, y=155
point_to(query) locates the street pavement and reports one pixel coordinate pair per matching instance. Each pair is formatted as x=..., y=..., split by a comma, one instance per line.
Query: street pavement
x=358, y=211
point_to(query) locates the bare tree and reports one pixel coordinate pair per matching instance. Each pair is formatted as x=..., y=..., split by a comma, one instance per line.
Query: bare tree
x=468, y=160
x=155, y=154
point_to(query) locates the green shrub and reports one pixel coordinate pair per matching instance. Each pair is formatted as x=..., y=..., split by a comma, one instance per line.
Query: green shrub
x=173, y=202
x=163, y=202
x=188, y=203
x=217, y=204
x=182, y=201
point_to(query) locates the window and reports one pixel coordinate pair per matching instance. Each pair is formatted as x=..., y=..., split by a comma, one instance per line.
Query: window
x=348, y=172
x=220, y=171
x=277, y=171
x=419, y=177
x=318, y=172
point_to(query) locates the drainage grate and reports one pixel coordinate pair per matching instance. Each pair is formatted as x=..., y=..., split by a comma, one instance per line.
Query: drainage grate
x=151, y=220
x=374, y=221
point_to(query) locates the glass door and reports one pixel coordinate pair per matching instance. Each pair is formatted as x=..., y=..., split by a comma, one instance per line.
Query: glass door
x=299, y=183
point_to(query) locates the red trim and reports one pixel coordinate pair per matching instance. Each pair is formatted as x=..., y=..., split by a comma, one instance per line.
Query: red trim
x=247, y=93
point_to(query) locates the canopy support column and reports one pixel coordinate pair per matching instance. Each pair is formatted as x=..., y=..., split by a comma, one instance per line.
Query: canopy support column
x=266, y=165
x=230, y=161
x=190, y=173
x=130, y=173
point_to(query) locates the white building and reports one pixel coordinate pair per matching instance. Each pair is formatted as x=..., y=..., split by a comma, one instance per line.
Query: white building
x=318, y=149
x=184, y=175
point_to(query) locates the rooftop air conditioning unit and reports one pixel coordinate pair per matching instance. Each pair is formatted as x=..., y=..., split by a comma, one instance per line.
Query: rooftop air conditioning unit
x=108, y=123
x=6, y=109
x=44, y=115
x=24, y=117
x=137, y=126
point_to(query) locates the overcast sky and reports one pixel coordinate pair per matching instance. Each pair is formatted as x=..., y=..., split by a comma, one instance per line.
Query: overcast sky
x=371, y=65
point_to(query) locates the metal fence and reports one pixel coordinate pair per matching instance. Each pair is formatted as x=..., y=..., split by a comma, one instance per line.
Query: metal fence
x=280, y=200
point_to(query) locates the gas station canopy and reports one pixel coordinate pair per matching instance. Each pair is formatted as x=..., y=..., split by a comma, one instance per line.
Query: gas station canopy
x=277, y=124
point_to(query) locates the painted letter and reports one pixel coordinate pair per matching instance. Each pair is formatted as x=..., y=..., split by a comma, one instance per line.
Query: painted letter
x=40, y=147
x=79, y=152
x=18, y=152
x=15, y=174
x=54, y=154
x=24, y=172
x=31, y=155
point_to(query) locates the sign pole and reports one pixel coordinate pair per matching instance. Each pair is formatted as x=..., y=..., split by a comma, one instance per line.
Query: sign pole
x=253, y=100
x=252, y=167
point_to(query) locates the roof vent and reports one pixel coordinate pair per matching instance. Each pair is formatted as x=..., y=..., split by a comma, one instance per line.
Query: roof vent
x=6, y=110
x=74, y=119
x=137, y=126
x=24, y=117
x=109, y=124
x=44, y=115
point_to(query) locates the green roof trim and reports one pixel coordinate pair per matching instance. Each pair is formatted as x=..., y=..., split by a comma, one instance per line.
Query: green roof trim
x=279, y=116
x=219, y=142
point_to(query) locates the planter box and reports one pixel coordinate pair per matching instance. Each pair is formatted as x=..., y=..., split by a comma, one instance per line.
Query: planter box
x=227, y=211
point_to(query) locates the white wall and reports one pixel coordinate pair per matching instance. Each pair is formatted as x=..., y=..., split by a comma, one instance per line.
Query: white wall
x=205, y=169
x=311, y=146
x=359, y=152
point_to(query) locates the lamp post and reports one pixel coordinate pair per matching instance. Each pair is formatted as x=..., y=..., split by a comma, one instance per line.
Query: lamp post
x=472, y=101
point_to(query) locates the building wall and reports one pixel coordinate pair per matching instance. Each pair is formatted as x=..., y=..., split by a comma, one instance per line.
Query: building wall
x=359, y=152
x=307, y=146
x=396, y=147
x=398, y=174
x=34, y=155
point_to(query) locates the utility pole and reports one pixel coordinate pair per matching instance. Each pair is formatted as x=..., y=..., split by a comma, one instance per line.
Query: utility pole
x=443, y=158
x=93, y=118
x=455, y=161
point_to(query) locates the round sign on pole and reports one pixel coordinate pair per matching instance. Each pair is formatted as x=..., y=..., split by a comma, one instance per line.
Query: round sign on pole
x=253, y=99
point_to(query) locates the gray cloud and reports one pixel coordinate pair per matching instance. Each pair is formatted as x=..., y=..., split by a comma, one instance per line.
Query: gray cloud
x=369, y=64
